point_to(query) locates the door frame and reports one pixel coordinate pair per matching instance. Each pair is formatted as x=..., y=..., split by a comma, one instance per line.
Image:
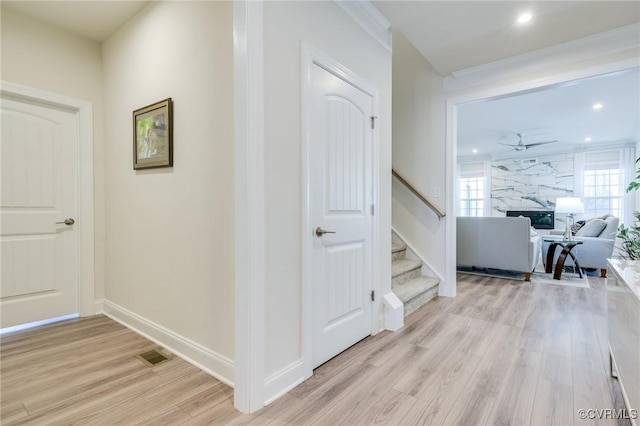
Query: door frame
x=455, y=99
x=310, y=56
x=84, y=113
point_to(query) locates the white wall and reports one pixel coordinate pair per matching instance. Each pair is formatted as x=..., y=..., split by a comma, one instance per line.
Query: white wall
x=418, y=151
x=325, y=26
x=170, y=236
x=45, y=57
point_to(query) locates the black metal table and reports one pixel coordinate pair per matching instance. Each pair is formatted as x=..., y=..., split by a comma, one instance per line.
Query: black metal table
x=567, y=246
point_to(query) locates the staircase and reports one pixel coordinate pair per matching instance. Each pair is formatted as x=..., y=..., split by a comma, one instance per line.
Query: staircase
x=407, y=281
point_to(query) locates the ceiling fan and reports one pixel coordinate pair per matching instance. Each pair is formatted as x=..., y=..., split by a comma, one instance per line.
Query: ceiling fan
x=521, y=146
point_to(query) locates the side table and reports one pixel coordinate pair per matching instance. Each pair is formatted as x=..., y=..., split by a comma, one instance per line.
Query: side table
x=567, y=246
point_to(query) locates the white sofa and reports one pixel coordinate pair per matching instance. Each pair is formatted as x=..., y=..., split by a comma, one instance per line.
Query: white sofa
x=497, y=243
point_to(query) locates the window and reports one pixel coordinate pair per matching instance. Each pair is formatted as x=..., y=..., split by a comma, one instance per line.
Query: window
x=472, y=196
x=603, y=192
x=601, y=179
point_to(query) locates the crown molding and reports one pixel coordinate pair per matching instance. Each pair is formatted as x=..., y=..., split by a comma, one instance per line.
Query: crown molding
x=597, y=147
x=594, y=46
x=370, y=19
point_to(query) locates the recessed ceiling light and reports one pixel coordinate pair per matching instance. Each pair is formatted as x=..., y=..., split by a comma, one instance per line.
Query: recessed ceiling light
x=597, y=105
x=587, y=139
x=524, y=18
x=475, y=151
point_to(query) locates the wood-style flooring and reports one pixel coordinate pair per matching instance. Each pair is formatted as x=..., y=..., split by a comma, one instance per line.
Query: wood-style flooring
x=501, y=352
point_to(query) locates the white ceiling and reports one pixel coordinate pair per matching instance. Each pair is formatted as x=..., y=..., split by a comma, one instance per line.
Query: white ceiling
x=564, y=113
x=455, y=35
x=95, y=20
x=452, y=35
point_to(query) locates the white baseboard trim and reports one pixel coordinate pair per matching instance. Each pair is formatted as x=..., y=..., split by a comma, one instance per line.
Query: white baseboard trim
x=380, y=322
x=29, y=325
x=98, y=306
x=393, y=312
x=283, y=381
x=218, y=366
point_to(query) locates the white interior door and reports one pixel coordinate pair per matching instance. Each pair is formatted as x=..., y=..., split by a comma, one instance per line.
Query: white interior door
x=39, y=150
x=340, y=202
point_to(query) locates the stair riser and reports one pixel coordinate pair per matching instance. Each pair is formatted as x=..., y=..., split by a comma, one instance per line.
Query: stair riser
x=399, y=255
x=406, y=276
x=419, y=300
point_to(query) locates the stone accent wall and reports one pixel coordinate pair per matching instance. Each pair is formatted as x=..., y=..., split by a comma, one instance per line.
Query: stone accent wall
x=523, y=184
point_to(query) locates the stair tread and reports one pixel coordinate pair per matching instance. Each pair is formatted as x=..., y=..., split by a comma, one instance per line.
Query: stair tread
x=396, y=247
x=399, y=267
x=411, y=289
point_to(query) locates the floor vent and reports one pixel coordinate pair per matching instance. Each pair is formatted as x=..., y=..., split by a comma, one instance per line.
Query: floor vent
x=153, y=357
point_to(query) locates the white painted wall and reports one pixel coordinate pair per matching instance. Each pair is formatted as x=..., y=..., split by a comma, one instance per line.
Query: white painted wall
x=45, y=57
x=418, y=151
x=170, y=236
x=325, y=26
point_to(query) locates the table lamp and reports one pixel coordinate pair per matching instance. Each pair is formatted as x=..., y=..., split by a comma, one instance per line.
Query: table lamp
x=569, y=206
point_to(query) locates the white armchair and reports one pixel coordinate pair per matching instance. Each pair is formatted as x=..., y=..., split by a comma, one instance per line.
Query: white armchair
x=598, y=236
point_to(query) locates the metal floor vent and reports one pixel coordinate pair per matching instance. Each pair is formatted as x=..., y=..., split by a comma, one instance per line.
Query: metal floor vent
x=152, y=357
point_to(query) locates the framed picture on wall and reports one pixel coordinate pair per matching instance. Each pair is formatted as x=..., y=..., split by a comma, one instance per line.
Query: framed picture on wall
x=153, y=135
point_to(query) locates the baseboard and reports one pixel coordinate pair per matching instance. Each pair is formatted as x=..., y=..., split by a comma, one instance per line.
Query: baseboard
x=625, y=397
x=283, y=381
x=98, y=306
x=205, y=359
x=393, y=312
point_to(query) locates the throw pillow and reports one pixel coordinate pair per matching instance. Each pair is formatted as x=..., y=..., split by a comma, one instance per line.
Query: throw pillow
x=592, y=228
x=576, y=226
x=603, y=217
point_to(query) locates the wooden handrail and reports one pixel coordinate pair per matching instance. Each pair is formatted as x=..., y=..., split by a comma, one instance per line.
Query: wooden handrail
x=421, y=197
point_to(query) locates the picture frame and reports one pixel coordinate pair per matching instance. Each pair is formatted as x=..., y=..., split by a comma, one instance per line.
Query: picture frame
x=153, y=135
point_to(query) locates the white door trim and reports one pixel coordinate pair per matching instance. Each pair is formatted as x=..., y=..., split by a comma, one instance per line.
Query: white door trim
x=311, y=56
x=84, y=111
x=451, y=141
x=249, y=206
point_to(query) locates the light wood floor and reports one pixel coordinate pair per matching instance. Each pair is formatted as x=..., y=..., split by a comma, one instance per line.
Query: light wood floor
x=501, y=352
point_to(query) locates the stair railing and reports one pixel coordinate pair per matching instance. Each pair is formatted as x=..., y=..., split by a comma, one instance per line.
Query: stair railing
x=421, y=197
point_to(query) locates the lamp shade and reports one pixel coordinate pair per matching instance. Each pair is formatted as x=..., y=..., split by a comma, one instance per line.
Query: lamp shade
x=569, y=205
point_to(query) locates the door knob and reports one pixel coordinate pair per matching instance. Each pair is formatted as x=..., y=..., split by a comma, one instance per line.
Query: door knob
x=68, y=221
x=320, y=232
